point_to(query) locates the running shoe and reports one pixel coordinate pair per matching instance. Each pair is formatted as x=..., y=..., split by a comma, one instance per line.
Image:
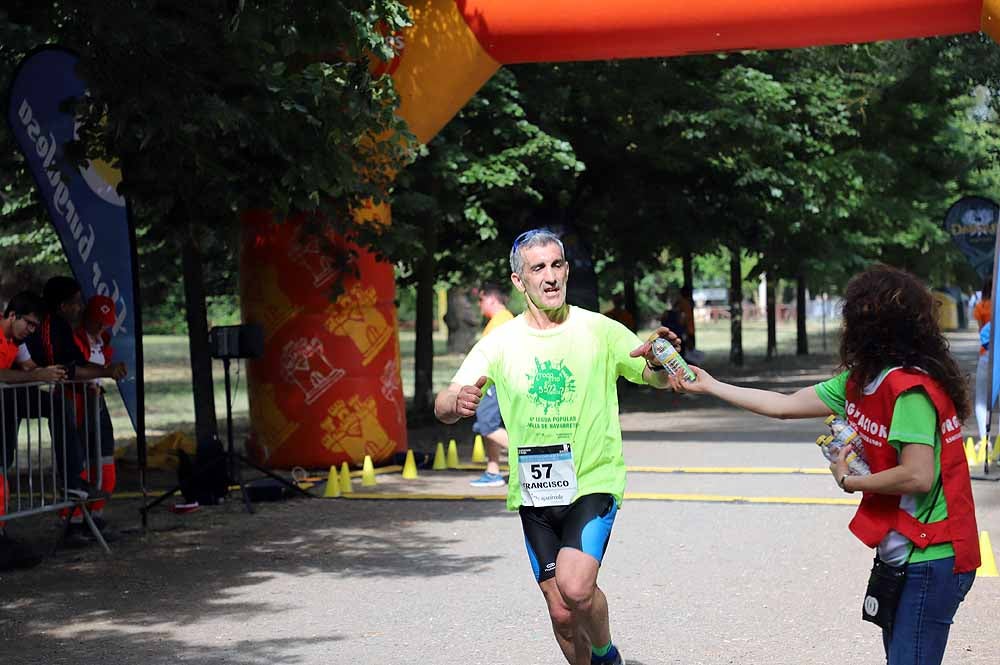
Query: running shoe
x=489, y=480
x=613, y=657
x=108, y=530
x=77, y=535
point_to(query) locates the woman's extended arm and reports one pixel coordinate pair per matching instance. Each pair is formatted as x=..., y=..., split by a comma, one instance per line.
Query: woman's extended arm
x=804, y=403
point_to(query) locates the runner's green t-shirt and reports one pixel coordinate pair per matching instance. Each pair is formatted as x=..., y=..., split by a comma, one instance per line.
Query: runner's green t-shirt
x=559, y=386
x=914, y=420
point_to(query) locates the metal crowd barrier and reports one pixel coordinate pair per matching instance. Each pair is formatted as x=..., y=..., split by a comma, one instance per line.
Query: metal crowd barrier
x=49, y=434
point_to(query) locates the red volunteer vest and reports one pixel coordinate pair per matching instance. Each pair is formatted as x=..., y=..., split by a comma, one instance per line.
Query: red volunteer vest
x=871, y=415
x=83, y=343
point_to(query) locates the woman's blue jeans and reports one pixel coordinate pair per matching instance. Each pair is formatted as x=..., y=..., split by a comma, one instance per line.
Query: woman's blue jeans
x=931, y=595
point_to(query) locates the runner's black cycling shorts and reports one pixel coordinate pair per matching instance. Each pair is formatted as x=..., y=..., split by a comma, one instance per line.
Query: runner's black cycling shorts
x=584, y=525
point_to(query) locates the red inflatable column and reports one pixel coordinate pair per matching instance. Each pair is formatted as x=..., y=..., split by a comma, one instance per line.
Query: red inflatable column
x=327, y=389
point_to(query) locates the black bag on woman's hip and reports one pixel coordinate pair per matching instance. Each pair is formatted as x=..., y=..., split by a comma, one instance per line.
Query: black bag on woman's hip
x=885, y=586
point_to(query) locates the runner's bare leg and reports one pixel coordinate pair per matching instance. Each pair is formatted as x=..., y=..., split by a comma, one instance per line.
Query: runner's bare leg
x=576, y=579
x=569, y=634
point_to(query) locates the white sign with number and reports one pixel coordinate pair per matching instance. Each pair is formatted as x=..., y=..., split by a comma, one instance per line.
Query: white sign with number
x=548, y=477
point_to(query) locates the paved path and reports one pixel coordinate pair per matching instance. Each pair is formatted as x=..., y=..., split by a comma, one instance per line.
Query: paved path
x=447, y=582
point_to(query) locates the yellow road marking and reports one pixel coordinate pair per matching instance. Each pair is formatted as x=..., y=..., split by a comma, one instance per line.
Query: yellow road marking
x=727, y=470
x=629, y=496
x=396, y=496
x=785, y=470
x=724, y=498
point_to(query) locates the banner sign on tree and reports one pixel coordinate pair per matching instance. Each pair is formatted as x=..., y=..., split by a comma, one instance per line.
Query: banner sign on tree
x=972, y=224
x=89, y=216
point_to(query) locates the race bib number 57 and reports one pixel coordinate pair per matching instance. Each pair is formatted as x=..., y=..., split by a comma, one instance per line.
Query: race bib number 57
x=547, y=475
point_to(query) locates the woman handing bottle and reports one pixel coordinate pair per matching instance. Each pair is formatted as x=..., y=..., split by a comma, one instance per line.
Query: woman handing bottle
x=904, y=394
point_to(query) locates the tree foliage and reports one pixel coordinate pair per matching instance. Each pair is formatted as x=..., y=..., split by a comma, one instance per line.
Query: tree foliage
x=218, y=106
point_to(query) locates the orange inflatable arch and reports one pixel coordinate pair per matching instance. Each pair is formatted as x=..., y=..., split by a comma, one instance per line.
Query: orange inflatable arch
x=328, y=389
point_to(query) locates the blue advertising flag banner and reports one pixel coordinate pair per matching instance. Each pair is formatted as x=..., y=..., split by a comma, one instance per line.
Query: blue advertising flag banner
x=972, y=224
x=991, y=345
x=89, y=216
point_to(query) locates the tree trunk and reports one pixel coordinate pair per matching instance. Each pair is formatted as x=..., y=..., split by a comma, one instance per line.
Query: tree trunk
x=423, y=388
x=628, y=290
x=801, y=335
x=203, y=388
x=772, y=320
x=735, y=307
x=463, y=319
x=687, y=269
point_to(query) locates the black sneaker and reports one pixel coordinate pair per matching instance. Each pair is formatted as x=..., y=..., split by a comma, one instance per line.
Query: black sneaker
x=77, y=535
x=15, y=554
x=108, y=530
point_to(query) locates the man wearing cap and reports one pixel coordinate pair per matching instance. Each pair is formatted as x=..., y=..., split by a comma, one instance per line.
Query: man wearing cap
x=93, y=339
x=554, y=368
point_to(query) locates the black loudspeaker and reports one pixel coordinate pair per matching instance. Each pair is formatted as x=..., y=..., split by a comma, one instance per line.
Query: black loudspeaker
x=246, y=341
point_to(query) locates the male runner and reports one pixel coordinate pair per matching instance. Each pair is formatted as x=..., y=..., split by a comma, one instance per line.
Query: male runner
x=555, y=368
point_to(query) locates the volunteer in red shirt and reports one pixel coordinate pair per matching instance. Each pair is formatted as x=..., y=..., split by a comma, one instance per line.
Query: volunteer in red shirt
x=905, y=395
x=21, y=317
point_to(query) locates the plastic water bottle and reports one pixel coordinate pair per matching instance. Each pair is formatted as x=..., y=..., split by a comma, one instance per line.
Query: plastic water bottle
x=671, y=358
x=842, y=434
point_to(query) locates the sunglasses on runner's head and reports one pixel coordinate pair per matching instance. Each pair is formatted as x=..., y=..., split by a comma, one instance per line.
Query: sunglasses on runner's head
x=524, y=237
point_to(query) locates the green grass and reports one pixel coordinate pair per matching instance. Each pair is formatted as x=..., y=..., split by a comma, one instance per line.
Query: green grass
x=169, y=401
x=170, y=407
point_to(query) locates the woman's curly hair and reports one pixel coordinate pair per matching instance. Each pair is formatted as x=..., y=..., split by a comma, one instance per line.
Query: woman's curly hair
x=889, y=322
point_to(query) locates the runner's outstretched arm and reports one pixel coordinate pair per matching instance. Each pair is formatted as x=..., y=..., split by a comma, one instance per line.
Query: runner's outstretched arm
x=458, y=401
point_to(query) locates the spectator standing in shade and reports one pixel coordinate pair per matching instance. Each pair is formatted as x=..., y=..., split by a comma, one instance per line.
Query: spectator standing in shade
x=21, y=317
x=489, y=421
x=94, y=340
x=982, y=313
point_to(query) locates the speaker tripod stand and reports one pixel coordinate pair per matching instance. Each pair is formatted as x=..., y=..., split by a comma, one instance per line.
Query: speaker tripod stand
x=232, y=459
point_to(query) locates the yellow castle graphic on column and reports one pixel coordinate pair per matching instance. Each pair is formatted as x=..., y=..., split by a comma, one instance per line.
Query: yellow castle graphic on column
x=268, y=305
x=352, y=427
x=269, y=422
x=354, y=316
